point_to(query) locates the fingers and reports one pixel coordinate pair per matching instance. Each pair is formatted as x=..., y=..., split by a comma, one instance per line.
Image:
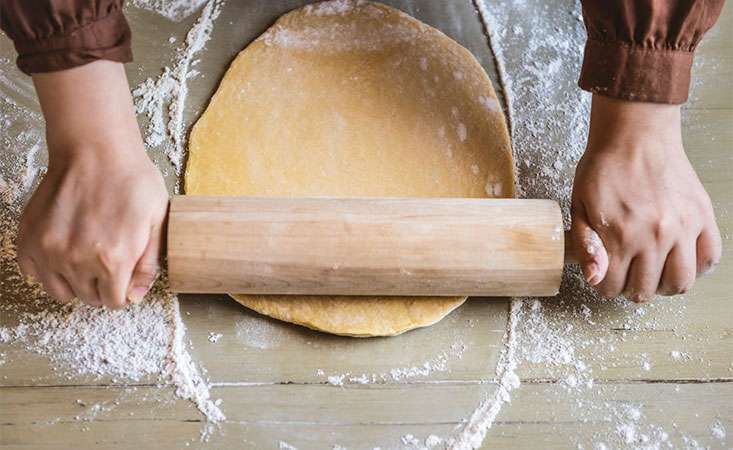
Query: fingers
x=53, y=283
x=57, y=287
x=615, y=280
x=146, y=269
x=589, y=248
x=679, y=271
x=112, y=287
x=709, y=249
x=28, y=268
x=643, y=279
x=114, y=265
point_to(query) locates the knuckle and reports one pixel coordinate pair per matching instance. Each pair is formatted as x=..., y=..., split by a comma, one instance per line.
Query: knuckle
x=76, y=257
x=111, y=259
x=51, y=244
x=662, y=229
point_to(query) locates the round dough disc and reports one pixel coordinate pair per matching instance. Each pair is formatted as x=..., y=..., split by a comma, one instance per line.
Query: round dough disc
x=352, y=99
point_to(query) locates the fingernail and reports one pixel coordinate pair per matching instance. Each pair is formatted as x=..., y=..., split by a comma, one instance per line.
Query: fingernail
x=137, y=294
x=709, y=269
x=592, y=274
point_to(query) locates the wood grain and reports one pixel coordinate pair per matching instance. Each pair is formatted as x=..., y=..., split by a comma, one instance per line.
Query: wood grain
x=374, y=246
x=682, y=397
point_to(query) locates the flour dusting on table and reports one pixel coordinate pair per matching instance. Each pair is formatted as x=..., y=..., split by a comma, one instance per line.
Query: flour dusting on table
x=438, y=363
x=539, y=62
x=175, y=10
x=162, y=99
x=143, y=343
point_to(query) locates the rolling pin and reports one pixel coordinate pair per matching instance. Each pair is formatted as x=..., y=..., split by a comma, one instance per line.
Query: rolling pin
x=365, y=246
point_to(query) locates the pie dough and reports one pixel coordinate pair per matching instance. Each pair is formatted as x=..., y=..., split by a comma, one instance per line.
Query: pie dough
x=352, y=99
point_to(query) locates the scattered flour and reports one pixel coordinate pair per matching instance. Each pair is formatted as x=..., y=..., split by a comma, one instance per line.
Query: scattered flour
x=143, y=343
x=543, y=102
x=471, y=434
x=282, y=445
x=342, y=36
x=718, y=431
x=489, y=103
x=438, y=363
x=409, y=439
x=162, y=100
x=333, y=7
x=175, y=10
x=462, y=132
x=259, y=332
x=539, y=61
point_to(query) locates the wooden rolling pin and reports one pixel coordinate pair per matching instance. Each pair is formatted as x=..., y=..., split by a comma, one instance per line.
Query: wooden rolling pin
x=365, y=246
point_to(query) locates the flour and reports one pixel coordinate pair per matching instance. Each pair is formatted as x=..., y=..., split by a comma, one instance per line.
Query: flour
x=718, y=431
x=282, y=445
x=333, y=7
x=81, y=340
x=538, y=64
x=438, y=363
x=489, y=103
x=21, y=133
x=338, y=36
x=143, y=343
x=543, y=101
x=259, y=332
x=162, y=99
x=175, y=10
x=471, y=434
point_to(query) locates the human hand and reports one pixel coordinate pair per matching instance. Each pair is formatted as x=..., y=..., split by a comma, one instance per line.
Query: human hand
x=93, y=228
x=642, y=222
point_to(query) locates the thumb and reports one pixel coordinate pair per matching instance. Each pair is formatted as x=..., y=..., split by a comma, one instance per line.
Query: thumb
x=146, y=269
x=589, y=248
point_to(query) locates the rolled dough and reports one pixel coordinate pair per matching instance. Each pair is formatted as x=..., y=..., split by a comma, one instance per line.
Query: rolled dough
x=348, y=98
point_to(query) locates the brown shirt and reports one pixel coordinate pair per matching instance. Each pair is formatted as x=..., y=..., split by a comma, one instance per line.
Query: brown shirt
x=636, y=49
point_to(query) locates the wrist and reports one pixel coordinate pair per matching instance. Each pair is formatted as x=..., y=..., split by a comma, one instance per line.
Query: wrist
x=88, y=112
x=618, y=123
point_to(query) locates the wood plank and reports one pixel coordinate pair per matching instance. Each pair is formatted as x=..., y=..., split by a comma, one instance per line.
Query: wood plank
x=365, y=416
x=714, y=61
x=253, y=348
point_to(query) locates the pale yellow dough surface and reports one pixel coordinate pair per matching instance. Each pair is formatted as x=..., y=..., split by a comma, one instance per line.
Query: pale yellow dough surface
x=352, y=99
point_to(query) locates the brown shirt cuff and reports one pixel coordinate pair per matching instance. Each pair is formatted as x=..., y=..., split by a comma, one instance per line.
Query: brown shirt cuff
x=52, y=35
x=642, y=50
x=106, y=38
x=616, y=69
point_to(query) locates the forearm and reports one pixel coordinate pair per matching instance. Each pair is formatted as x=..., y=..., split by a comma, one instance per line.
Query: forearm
x=88, y=106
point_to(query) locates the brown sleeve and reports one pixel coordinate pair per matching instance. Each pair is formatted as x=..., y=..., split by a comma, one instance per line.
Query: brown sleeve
x=52, y=35
x=642, y=50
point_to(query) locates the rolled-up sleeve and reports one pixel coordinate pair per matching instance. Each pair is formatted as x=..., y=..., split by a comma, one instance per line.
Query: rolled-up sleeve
x=642, y=50
x=52, y=35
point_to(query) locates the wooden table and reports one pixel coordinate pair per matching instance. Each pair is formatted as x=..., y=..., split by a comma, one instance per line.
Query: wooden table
x=272, y=376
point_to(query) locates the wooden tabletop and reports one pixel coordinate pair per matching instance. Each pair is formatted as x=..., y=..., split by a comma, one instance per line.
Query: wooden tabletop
x=273, y=377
